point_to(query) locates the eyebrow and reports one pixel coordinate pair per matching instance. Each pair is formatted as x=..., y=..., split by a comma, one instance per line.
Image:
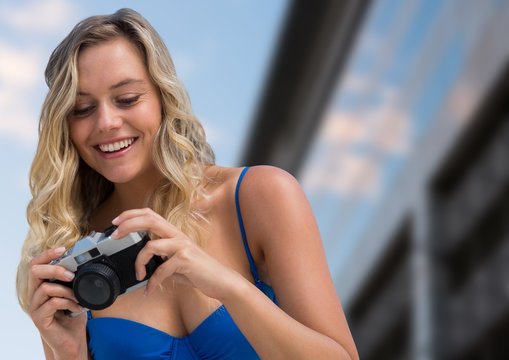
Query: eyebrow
x=119, y=85
x=126, y=82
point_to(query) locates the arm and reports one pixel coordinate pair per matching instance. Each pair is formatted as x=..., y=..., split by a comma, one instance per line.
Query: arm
x=48, y=353
x=281, y=229
x=310, y=322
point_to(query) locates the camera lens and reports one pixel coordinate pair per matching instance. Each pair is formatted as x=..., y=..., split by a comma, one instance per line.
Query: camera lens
x=96, y=286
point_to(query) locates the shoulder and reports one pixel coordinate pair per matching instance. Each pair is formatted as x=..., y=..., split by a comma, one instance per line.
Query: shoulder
x=258, y=180
x=271, y=197
x=264, y=192
x=268, y=181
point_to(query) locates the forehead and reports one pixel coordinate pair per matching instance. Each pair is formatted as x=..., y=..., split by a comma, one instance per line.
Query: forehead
x=109, y=62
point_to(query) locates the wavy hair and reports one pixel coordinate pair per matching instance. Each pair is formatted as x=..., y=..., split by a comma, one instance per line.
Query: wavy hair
x=65, y=190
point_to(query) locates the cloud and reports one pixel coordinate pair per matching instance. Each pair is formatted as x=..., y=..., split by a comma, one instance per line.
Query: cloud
x=355, y=140
x=17, y=121
x=20, y=73
x=384, y=126
x=19, y=68
x=343, y=127
x=37, y=16
x=354, y=83
x=389, y=124
x=347, y=174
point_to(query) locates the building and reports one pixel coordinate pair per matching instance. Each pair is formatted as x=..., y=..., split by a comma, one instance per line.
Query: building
x=406, y=170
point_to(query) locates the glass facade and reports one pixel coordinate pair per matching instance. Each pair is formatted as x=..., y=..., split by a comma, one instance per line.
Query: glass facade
x=408, y=58
x=406, y=178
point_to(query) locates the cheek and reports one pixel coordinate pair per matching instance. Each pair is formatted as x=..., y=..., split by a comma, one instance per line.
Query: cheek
x=149, y=119
x=155, y=126
x=77, y=133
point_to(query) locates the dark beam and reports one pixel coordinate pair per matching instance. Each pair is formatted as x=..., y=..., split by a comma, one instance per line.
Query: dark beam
x=313, y=48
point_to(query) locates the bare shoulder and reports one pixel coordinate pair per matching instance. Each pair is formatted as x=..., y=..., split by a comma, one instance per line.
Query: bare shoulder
x=267, y=173
x=265, y=193
x=273, y=201
x=269, y=181
x=258, y=180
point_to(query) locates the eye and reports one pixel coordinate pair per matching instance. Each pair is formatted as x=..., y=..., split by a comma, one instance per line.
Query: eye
x=80, y=112
x=128, y=101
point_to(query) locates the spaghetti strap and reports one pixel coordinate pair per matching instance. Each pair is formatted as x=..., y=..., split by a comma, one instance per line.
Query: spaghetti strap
x=252, y=265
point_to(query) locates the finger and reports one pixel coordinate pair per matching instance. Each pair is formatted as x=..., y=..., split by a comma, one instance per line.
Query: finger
x=151, y=222
x=43, y=258
x=129, y=214
x=50, y=307
x=160, y=247
x=46, y=256
x=141, y=219
x=170, y=268
x=51, y=272
x=48, y=290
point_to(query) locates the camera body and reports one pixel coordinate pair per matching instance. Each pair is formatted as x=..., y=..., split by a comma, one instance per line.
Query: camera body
x=104, y=267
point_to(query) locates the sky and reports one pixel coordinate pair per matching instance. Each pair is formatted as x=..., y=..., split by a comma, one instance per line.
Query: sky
x=221, y=49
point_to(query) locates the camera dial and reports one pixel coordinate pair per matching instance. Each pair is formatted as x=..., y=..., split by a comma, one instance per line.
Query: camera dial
x=96, y=285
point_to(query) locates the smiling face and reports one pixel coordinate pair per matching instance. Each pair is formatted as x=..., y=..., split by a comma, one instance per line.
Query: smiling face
x=117, y=112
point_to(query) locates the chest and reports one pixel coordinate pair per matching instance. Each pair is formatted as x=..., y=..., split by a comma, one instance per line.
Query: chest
x=217, y=337
x=178, y=309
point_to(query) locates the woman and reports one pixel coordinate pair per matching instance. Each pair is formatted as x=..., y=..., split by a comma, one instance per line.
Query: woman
x=119, y=145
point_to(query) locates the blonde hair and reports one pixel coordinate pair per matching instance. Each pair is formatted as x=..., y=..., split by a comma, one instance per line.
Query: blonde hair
x=65, y=190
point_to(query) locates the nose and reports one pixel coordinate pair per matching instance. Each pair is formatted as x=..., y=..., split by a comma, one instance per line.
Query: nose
x=107, y=118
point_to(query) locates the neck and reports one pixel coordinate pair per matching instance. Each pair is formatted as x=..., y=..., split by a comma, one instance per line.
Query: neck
x=125, y=196
x=133, y=195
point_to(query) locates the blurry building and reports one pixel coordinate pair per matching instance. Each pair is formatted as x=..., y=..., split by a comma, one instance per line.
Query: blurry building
x=395, y=121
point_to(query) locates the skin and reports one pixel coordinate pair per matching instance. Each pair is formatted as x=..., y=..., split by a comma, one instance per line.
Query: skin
x=194, y=280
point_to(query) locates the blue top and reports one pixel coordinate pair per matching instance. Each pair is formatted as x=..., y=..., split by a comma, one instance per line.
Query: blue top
x=217, y=337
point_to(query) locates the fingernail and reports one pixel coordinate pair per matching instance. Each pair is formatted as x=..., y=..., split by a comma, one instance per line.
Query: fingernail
x=59, y=250
x=69, y=275
x=115, y=221
x=114, y=234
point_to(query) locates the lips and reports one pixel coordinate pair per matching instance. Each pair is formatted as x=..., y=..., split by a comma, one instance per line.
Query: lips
x=116, y=146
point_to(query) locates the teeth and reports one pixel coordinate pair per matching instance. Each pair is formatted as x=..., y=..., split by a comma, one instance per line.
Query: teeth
x=116, y=146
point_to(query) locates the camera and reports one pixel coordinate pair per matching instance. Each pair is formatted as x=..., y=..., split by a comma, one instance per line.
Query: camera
x=104, y=268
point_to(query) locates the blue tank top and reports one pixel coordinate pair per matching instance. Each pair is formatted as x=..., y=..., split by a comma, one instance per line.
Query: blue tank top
x=217, y=337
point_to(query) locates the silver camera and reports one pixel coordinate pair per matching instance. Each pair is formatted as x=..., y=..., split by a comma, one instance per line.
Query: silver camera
x=104, y=268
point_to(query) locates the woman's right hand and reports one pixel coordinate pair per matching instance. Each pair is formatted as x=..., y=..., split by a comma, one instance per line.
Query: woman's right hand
x=65, y=336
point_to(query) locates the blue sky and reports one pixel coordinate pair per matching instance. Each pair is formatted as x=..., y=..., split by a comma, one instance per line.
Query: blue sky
x=221, y=49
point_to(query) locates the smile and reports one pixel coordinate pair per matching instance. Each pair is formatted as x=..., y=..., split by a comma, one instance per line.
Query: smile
x=116, y=146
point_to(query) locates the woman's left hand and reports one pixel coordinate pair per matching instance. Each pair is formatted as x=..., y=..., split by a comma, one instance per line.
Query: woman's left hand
x=184, y=262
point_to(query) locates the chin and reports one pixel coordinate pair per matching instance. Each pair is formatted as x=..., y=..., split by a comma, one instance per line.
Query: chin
x=118, y=177
x=126, y=173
